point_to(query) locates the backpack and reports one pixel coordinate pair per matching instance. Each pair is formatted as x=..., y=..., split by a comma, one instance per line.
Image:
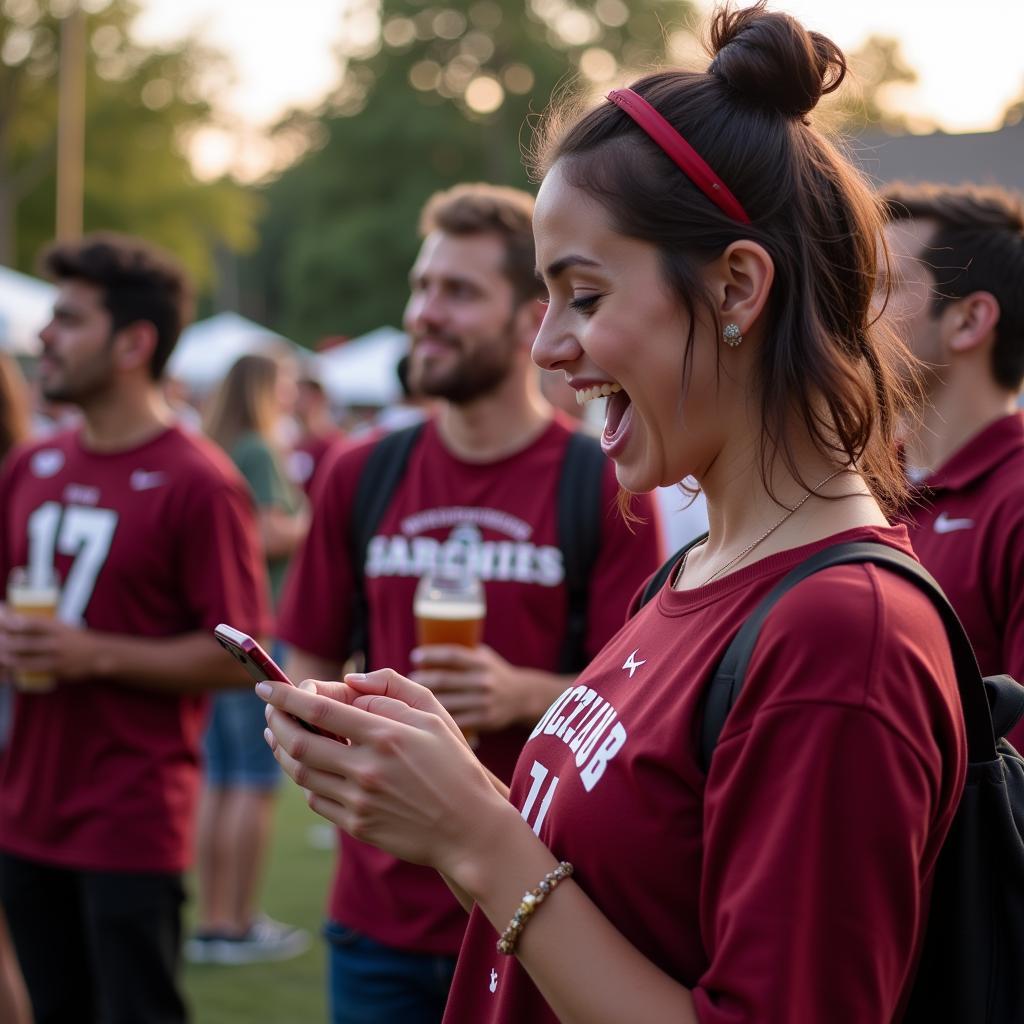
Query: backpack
x=579, y=530
x=971, y=969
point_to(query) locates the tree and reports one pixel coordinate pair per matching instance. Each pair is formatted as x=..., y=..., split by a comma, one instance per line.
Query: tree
x=141, y=105
x=430, y=96
x=864, y=101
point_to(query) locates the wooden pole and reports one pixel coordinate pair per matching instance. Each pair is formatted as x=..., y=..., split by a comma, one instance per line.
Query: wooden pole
x=71, y=127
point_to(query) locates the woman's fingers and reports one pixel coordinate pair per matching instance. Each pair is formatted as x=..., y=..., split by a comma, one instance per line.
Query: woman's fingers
x=386, y=682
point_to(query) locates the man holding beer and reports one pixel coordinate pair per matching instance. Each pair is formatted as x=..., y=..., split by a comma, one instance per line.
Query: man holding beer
x=124, y=541
x=477, y=501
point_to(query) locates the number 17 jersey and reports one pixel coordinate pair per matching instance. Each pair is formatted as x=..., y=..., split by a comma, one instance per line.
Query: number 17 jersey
x=155, y=541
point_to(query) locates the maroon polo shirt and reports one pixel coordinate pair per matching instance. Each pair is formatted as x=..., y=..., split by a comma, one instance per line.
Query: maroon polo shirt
x=966, y=523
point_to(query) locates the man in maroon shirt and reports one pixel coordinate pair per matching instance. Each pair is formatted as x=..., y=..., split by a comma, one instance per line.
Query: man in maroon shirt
x=152, y=535
x=480, y=485
x=957, y=293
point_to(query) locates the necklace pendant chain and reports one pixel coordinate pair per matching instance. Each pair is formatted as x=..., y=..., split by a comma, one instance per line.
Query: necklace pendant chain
x=764, y=536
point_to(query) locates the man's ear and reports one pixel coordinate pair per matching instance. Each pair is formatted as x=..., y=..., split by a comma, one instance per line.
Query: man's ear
x=971, y=321
x=741, y=281
x=134, y=345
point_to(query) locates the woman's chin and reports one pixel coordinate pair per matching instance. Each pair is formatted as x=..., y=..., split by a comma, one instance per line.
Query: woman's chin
x=637, y=479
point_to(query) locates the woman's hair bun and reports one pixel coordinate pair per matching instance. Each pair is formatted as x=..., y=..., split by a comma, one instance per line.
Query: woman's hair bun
x=771, y=60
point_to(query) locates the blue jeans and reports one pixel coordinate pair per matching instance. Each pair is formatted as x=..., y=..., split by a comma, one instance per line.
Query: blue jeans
x=374, y=984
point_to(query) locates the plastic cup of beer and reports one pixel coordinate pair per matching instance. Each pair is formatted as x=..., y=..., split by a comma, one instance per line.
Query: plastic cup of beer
x=449, y=608
x=33, y=595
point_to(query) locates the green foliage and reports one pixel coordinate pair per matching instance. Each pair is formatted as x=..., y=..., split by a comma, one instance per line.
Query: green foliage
x=431, y=96
x=141, y=104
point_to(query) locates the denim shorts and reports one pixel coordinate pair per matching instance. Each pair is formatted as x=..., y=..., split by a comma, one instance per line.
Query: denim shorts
x=235, y=751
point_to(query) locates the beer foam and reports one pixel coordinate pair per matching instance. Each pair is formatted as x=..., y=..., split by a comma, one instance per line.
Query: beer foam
x=448, y=611
x=34, y=595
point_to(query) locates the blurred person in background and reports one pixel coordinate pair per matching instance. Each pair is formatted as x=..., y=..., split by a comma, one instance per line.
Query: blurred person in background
x=480, y=484
x=317, y=433
x=15, y=424
x=244, y=417
x=15, y=405
x=152, y=535
x=956, y=292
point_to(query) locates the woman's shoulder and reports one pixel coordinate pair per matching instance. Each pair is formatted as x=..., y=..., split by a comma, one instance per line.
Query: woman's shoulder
x=861, y=636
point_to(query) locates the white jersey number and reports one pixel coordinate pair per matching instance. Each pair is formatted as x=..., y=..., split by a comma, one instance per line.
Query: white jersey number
x=84, y=533
x=539, y=774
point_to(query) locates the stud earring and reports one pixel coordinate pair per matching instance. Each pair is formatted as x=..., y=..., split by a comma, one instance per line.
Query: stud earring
x=731, y=335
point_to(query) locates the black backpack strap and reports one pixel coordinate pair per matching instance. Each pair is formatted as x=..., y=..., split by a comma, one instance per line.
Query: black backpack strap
x=377, y=483
x=661, y=575
x=579, y=536
x=728, y=678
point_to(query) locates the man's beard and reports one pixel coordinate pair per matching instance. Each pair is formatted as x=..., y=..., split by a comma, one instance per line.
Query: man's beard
x=474, y=375
x=90, y=382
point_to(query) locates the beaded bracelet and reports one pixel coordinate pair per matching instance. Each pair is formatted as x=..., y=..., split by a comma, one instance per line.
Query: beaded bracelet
x=531, y=901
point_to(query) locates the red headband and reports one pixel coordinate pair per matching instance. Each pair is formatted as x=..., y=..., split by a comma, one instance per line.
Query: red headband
x=689, y=161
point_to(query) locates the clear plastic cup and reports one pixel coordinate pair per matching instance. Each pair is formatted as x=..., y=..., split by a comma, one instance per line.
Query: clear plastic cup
x=449, y=608
x=33, y=594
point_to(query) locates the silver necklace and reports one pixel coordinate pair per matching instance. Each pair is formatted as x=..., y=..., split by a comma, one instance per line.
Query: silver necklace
x=764, y=536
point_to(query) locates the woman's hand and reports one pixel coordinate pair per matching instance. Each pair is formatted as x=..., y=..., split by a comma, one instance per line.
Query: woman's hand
x=405, y=780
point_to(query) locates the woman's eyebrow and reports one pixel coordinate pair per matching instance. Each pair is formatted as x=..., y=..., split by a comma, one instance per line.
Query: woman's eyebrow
x=565, y=262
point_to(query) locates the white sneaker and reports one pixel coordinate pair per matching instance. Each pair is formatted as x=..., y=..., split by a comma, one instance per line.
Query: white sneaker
x=265, y=940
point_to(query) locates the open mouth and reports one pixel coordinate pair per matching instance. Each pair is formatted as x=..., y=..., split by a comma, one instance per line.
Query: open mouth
x=616, y=414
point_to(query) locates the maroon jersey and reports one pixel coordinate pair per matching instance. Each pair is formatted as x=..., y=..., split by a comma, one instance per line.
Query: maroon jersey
x=967, y=527
x=156, y=541
x=501, y=516
x=792, y=883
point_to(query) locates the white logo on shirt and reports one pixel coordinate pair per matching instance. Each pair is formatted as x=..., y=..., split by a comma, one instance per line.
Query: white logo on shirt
x=144, y=480
x=494, y=980
x=943, y=524
x=47, y=462
x=632, y=664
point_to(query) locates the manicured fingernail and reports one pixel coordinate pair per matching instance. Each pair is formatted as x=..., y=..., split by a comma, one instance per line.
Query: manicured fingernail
x=264, y=689
x=267, y=711
x=269, y=737
x=308, y=685
x=357, y=677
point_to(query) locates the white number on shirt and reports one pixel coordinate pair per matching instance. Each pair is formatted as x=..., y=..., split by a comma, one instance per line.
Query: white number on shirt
x=539, y=775
x=84, y=533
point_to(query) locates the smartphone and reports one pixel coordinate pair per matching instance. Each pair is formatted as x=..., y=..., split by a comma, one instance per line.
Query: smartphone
x=257, y=662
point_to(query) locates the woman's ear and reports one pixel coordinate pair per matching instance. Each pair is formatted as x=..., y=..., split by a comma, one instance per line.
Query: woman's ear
x=741, y=281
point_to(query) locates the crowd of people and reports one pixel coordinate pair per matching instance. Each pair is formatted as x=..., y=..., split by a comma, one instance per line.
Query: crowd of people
x=788, y=359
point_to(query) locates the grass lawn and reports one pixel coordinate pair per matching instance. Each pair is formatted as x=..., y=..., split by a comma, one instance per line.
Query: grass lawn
x=294, y=891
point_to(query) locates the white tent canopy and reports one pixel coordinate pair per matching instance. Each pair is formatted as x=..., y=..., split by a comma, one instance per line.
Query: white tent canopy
x=207, y=349
x=363, y=371
x=26, y=304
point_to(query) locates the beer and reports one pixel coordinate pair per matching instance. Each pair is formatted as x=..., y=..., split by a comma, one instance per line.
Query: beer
x=38, y=599
x=449, y=608
x=459, y=623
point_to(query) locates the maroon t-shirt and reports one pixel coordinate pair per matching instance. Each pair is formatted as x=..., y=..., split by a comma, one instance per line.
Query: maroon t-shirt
x=156, y=541
x=791, y=885
x=505, y=514
x=967, y=527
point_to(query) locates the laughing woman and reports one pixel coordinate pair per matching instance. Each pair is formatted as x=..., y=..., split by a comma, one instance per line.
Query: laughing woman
x=710, y=260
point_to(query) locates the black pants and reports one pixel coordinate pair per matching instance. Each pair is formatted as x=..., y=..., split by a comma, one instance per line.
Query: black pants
x=96, y=947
